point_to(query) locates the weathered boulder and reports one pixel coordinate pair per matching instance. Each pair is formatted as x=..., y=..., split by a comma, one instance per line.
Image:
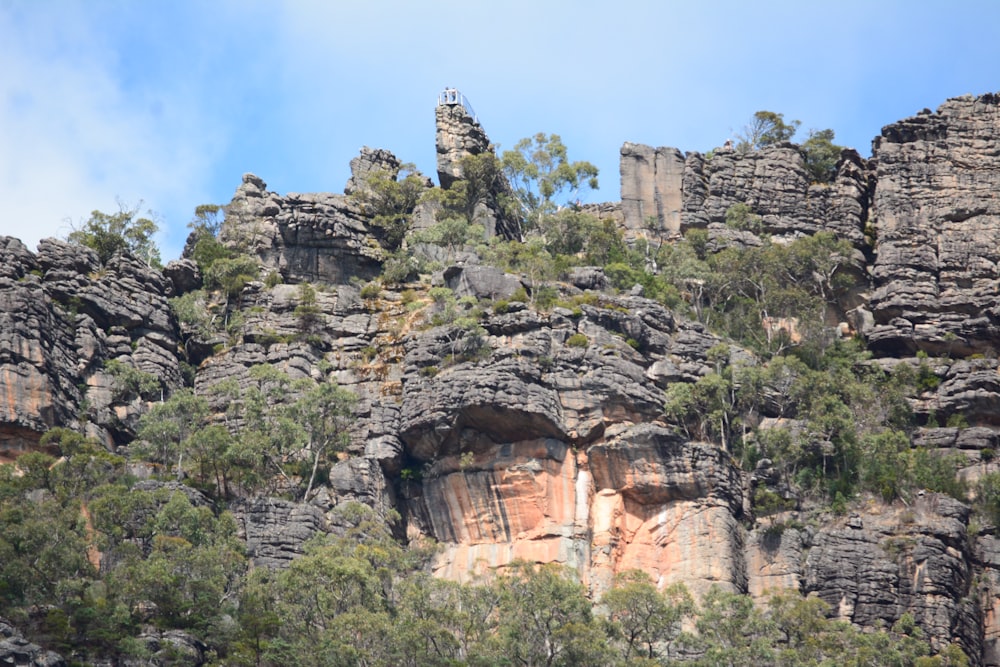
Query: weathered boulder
x=588, y=278
x=304, y=237
x=169, y=647
x=16, y=650
x=482, y=282
x=183, y=275
x=275, y=530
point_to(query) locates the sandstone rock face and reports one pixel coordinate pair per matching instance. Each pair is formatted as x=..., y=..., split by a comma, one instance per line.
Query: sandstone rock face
x=669, y=507
x=550, y=453
x=62, y=315
x=275, y=529
x=16, y=650
x=541, y=437
x=370, y=161
x=651, y=187
x=696, y=190
x=774, y=556
x=304, y=237
x=459, y=134
x=937, y=219
x=877, y=565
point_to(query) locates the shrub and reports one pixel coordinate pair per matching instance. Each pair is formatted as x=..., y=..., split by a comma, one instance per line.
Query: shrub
x=273, y=279
x=130, y=382
x=741, y=217
x=371, y=290
x=577, y=340
x=545, y=296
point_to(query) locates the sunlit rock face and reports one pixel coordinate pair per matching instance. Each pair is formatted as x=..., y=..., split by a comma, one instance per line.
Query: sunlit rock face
x=315, y=237
x=642, y=499
x=552, y=452
x=936, y=216
x=665, y=192
x=63, y=315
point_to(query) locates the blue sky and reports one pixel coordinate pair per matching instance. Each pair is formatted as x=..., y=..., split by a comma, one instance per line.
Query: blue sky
x=171, y=102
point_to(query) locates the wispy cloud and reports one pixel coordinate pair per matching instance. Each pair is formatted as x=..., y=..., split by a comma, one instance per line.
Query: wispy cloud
x=75, y=137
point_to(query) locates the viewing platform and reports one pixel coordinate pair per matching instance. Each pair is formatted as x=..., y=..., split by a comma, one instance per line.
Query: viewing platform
x=452, y=97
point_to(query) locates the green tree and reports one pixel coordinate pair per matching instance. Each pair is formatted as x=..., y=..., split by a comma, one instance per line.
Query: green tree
x=130, y=382
x=643, y=620
x=42, y=543
x=124, y=231
x=390, y=199
x=231, y=275
x=569, y=232
x=307, y=313
x=545, y=618
x=482, y=184
x=708, y=409
x=821, y=155
x=733, y=631
x=205, y=227
x=766, y=128
x=452, y=232
x=334, y=602
x=539, y=171
x=740, y=216
x=168, y=427
x=192, y=571
x=325, y=412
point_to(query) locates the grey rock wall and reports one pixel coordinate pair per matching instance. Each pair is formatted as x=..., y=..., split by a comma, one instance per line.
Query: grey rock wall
x=936, y=215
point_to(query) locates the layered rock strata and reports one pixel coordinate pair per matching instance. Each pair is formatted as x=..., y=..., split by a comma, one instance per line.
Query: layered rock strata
x=303, y=237
x=665, y=193
x=62, y=316
x=936, y=215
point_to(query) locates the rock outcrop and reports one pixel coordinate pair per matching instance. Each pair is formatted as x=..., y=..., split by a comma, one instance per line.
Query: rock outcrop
x=548, y=452
x=303, y=237
x=874, y=566
x=665, y=193
x=652, y=180
x=16, y=650
x=460, y=135
x=508, y=432
x=936, y=216
x=63, y=316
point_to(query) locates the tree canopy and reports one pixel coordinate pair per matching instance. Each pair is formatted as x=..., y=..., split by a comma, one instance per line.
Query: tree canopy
x=539, y=170
x=766, y=128
x=124, y=231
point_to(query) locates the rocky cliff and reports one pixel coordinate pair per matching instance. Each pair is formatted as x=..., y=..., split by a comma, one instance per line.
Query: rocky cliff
x=542, y=437
x=936, y=216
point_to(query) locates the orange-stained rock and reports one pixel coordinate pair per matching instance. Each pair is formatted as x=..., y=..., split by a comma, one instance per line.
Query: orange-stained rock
x=518, y=501
x=643, y=498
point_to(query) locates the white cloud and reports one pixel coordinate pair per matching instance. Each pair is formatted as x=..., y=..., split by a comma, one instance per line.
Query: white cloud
x=74, y=137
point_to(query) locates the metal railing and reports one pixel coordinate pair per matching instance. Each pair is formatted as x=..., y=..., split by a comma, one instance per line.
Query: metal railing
x=451, y=96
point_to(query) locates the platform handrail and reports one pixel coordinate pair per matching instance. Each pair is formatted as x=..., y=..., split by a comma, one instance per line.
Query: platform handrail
x=452, y=97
